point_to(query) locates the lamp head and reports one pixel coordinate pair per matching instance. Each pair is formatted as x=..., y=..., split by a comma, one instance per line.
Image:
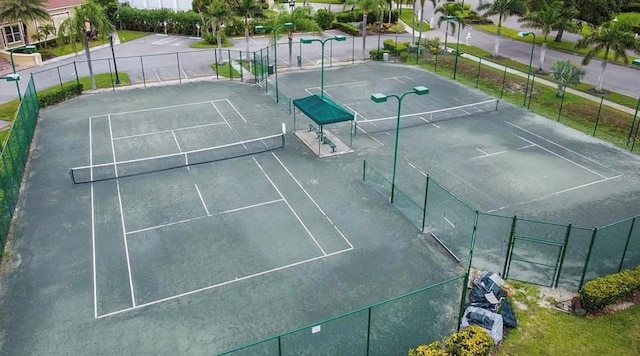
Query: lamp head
x=421, y=90
x=288, y=25
x=379, y=98
x=260, y=28
x=450, y=17
x=524, y=34
x=306, y=40
x=340, y=38
x=636, y=62
x=11, y=77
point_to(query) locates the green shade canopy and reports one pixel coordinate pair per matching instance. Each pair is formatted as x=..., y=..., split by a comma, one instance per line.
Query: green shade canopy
x=322, y=111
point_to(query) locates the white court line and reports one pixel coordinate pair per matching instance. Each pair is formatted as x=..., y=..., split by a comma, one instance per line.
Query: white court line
x=487, y=154
x=450, y=223
x=161, y=108
x=417, y=169
x=93, y=228
x=184, y=72
x=236, y=110
x=564, y=148
x=338, y=85
x=124, y=230
x=165, y=131
x=290, y=207
x=186, y=158
x=557, y=193
x=310, y=198
x=562, y=157
x=222, y=116
x=481, y=151
x=223, y=283
x=251, y=206
x=113, y=149
x=157, y=75
x=527, y=146
x=361, y=129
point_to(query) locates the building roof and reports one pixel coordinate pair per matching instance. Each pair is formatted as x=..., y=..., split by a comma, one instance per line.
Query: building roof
x=56, y=4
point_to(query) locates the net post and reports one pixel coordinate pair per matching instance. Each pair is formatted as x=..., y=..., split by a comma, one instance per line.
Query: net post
x=507, y=259
x=424, y=207
x=562, y=254
x=364, y=169
x=626, y=245
x=586, y=263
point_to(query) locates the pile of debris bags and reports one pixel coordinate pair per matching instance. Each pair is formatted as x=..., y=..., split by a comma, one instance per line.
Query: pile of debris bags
x=489, y=307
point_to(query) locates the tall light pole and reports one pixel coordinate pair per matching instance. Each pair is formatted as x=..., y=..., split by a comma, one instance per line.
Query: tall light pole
x=380, y=98
x=13, y=78
x=322, y=42
x=275, y=29
x=533, y=46
x=455, y=65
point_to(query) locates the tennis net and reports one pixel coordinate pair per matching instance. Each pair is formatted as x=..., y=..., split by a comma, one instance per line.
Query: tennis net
x=389, y=123
x=106, y=171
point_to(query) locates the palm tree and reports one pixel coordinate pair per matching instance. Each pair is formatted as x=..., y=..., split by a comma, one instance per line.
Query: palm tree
x=302, y=19
x=504, y=9
x=216, y=14
x=449, y=9
x=246, y=9
x=615, y=37
x=23, y=10
x=366, y=6
x=434, y=2
x=566, y=20
x=88, y=19
x=565, y=73
x=544, y=19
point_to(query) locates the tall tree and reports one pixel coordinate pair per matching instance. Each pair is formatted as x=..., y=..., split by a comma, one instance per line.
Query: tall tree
x=88, y=19
x=597, y=12
x=565, y=73
x=566, y=19
x=504, y=9
x=216, y=13
x=543, y=19
x=613, y=37
x=302, y=19
x=366, y=6
x=449, y=9
x=24, y=11
x=246, y=9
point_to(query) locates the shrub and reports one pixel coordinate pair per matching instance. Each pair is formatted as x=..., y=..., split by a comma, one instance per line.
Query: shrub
x=433, y=45
x=600, y=292
x=473, y=18
x=377, y=55
x=433, y=349
x=347, y=28
x=325, y=18
x=212, y=39
x=152, y=20
x=471, y=341
x=57, y=95
x=396, y=48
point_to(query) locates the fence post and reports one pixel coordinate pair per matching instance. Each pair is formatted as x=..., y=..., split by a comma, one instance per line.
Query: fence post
x=598, y=117
x=478, y=72
x=113, y=86
x=424, y=207
x=561, y=102
x=504, y=79
x=507, y=258
x=144, y=79
x=75, y=70
x=364, y=169
x=562, y=254
x=472, y=244
x=215, y=60
x=64, y=95
x=368, y=330
x=533, y=80
x=626, y=245
x=241, y=71
x=586, y=262
x=230, y=65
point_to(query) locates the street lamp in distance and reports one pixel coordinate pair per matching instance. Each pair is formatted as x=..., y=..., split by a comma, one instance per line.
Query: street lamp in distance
x=338, y=38
x=533, y=46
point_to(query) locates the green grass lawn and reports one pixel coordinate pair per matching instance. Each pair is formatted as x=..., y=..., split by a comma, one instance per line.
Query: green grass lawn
x=225, y=70
x=105, y=80
x=69, y=49
x=8, y=110
x=205, y=44
x=407, y=17
x=544, y=331
x=126, y=36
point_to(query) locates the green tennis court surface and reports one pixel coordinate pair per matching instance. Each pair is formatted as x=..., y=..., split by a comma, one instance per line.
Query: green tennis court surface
x=169, y=246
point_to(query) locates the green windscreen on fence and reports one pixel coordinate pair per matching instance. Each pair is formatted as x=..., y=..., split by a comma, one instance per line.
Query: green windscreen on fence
x=15, y=153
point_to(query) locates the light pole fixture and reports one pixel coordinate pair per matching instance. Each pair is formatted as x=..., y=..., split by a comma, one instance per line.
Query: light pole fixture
x=455, y=65
x=28, y=49
x=13, y=78
x=322, y=42
x=113, y=55
x=635, y=62
x=275, y=29
x=381, y=98
x=533, y=46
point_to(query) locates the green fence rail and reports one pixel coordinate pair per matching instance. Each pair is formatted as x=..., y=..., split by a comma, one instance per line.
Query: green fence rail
x=14, y=156
x=389, y=327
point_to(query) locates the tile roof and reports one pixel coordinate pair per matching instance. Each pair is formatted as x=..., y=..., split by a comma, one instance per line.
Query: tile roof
x=56, y=4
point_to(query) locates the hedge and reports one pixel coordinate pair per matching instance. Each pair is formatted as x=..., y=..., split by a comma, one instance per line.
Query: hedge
x=608, y=290
x=347, y=28
x=471, y=341
x=57, y=95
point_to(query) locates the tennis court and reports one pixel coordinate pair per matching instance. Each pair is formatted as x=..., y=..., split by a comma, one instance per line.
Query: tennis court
x=181, y=220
